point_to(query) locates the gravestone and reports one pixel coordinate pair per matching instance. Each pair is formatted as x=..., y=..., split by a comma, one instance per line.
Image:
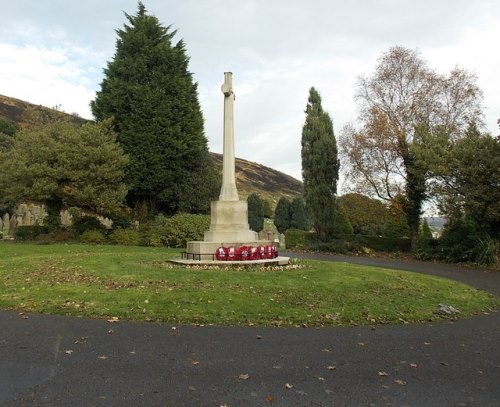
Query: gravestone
x=6, y=219
x=12, y=225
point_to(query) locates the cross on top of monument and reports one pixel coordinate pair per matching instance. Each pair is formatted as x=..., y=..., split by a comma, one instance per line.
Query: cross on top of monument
x=227, y=86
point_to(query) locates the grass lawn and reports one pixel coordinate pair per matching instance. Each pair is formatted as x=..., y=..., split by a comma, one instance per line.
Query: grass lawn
x=137, y=283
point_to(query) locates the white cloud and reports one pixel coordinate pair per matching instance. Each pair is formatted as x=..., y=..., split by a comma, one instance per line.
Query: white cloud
x=53, y=53
x=46, y=76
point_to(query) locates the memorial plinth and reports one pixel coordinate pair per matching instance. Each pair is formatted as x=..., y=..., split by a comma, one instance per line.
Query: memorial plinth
x=229, y=215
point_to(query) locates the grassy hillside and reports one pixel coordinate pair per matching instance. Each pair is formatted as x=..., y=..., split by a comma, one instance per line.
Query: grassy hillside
x=267, y=182
x=250, y=177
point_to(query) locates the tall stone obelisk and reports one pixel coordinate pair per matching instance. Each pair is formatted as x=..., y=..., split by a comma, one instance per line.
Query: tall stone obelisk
x=228, y=191
x=229, y=215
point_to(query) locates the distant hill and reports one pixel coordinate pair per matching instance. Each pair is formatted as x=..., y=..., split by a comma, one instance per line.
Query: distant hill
x=22, y=113
x=269, y=183
x=250, y=177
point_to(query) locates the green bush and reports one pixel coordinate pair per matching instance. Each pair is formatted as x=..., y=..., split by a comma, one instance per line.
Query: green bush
x=151, y=233
x=87, y=223
x=26, y=233
x=334, y=246
x=60, y=235
x=92, y=237
x=121, y=221
x=298, y=239
x=125, y=237
x=184, y=227
x=387, y=244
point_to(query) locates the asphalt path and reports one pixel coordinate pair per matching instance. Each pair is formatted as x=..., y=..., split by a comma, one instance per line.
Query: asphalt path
x=50, y=360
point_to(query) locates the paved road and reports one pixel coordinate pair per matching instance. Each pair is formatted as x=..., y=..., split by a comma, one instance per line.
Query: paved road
x=48, y=360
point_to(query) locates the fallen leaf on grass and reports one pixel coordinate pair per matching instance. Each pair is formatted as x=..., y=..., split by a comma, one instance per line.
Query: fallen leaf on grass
x=113, y=319
x=270, y=399
x=383, y=374
x=427, y=343
x=400, y=382
x=245, y=376
x=68, y=352
x=331, y=367
x=102, y=357
x=195, y=362
x=321, y=379
x=444, y=364
x=362, y=343
x=288, y=386
x=111, y=332
x=326, y=350
x=413, y=365
x=258, y=337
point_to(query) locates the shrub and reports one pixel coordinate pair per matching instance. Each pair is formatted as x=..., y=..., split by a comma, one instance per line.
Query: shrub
x=387, y=244
x=184, y=227
x=60, y=235
x=151, y=233
x=334, y=246
x=87, y=223
x=125, y=237
x=92, y=237
x=121, y=221
x=25, y=233
x=298, y=239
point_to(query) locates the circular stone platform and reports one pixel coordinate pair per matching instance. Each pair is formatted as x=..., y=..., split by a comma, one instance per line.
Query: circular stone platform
x=277, y=261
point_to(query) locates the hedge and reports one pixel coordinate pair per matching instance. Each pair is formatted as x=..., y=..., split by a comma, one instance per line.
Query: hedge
x=299, y=239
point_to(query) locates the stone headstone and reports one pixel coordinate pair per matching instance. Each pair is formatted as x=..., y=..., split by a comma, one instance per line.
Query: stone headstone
x=6, y=218
x=27, y=218
x=12, y=225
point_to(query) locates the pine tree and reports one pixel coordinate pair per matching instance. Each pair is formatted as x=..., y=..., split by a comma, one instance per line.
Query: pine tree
x=342, y=225
x=151, y=96
x=255, y=212
x=320, y=166
x=282, y=215
x=61, y=163
x=298, y=216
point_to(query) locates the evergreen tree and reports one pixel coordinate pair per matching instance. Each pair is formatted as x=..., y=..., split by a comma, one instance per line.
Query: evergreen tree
x=64, y=164
x=342, y=225
x=151, y=96
x=298, y=216
x=255, y=212
x=282, y=215
x=425, y=232
x=268, y=211
x=320, y=166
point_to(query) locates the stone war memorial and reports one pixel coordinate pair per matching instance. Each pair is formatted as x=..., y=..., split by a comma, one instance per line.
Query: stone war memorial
x=230, y=239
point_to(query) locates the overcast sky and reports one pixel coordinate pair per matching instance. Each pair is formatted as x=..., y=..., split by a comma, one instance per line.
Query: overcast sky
x=52, y=52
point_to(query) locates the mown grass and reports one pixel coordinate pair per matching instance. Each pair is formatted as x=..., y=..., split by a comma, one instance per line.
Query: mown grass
x=138, y=283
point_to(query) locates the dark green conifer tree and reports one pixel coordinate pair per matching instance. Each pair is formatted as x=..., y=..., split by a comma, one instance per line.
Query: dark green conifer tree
x=298, y=216
x=282, y=215
x=320, y=166
x=151, y=96
x=255, y=212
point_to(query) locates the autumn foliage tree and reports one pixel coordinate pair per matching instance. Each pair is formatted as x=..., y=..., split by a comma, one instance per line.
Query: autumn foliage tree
x=402, y=94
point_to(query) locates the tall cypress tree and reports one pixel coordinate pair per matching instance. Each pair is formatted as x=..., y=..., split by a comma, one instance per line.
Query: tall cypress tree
x=282, y=215
x=320, y=166
x=151, y=96
x=255, y=212
x=298, y=217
